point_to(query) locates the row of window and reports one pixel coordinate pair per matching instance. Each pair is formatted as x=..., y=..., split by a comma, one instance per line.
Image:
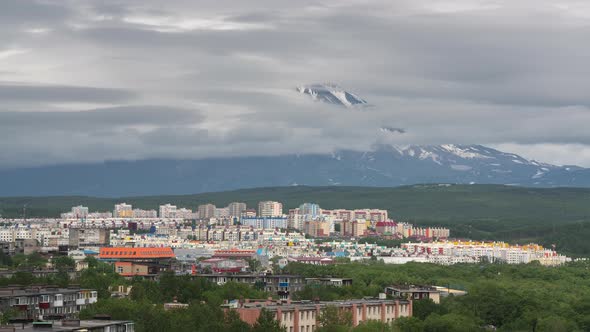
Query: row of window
x=51, y=298
x=134, y=253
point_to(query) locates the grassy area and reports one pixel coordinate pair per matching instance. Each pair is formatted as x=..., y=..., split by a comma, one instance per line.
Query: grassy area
x=492, y=212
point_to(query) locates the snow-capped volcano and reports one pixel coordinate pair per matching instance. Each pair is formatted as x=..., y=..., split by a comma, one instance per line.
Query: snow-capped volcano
x=332, y=94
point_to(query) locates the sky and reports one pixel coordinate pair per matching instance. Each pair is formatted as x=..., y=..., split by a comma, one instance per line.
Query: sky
x=88, y=81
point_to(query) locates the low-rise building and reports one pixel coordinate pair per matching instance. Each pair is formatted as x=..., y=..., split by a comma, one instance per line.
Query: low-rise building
x=281, y=285
x=145, y=262
x=34, y=303
x=76, y=325
x=304, y=315
x=329, y=281
x=414, y=292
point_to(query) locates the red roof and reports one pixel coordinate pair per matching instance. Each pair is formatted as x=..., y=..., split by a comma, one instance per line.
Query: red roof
x=137, y=253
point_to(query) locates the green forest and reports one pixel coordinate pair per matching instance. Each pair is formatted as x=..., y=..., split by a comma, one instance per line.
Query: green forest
x=559, y=216
x=505, y=297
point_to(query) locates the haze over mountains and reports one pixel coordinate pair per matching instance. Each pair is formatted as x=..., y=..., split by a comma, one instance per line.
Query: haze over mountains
x=383, y=165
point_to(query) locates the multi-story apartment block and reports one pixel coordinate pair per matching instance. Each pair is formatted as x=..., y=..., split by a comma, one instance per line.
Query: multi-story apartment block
x=310, y=209
x=373, y=215
x=100, y=215
x=123, y=210
x=88, y=237
x=270, y=209
x=77, y=212
x=167, y=211
x=281, y=285
x=317, y=228
x=206, y=211
x=354, y=228
x=221, y=212
x=236, y=209
x=303, y=316
x=139, y=213
x=265, y=222
x=46, y=303
x=184, y=213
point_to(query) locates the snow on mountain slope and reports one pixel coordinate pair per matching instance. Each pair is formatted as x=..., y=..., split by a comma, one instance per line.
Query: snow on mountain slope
x=332, y=94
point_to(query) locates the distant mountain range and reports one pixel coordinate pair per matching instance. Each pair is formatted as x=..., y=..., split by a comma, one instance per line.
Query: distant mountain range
x=385, y=165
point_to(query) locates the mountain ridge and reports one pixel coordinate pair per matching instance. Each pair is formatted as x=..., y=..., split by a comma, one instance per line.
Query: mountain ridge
x=384, y=166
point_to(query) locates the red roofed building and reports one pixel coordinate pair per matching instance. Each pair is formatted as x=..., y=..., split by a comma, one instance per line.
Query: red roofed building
x=145, y=262
x=135, y=253
x=234, y=253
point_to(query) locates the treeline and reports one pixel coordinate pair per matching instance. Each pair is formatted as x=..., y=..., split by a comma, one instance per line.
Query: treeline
x=500, y=296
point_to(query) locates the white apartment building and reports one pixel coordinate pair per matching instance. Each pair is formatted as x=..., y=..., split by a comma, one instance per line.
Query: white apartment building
x=236, y=209
x=167, y=211
x=270, y=209
x=123, y=210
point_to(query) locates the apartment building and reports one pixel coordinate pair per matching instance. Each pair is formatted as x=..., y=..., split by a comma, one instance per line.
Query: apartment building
x=88, y=237
x=303, y=316
x=206, y=211
x=317, y=228
x=281, y=285
x=236, y=209
x=354, y=228
x=148, y=214
x=373, y=215
x=414, y=292
x=265, y=222
x=167, y=211
x=76, y=325
x=77, y=212
x=270, y=209
x=123, y=210
x=45, y=302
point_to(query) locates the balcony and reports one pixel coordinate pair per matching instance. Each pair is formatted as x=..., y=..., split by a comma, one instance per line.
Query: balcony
x=82, y=301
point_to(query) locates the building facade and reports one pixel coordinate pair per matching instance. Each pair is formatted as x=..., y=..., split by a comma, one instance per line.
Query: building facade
x=270, y=209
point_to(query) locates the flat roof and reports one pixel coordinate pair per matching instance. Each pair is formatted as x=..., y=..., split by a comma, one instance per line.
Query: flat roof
x=136, y=253
x=59, y=327
x=12, y=292
x=312, y=305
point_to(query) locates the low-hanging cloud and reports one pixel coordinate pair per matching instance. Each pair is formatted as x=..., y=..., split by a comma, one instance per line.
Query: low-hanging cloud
x=102, y=80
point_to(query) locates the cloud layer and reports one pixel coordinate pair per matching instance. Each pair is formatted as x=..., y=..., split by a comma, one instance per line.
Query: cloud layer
x=101, y=80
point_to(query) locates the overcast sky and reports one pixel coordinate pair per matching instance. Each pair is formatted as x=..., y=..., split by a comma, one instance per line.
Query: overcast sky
x=85, y=81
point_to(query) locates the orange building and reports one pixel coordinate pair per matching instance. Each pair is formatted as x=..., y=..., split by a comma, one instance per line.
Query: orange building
x=145, y=262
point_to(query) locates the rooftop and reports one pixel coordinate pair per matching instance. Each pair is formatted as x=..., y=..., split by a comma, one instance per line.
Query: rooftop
x=286, y=305
x=7, y=292
x=60, y=326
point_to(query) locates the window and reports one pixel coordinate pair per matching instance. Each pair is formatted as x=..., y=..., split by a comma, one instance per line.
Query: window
x=119, y=269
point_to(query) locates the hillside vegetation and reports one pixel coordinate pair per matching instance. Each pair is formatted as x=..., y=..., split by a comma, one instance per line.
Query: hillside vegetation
x=489, y=212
